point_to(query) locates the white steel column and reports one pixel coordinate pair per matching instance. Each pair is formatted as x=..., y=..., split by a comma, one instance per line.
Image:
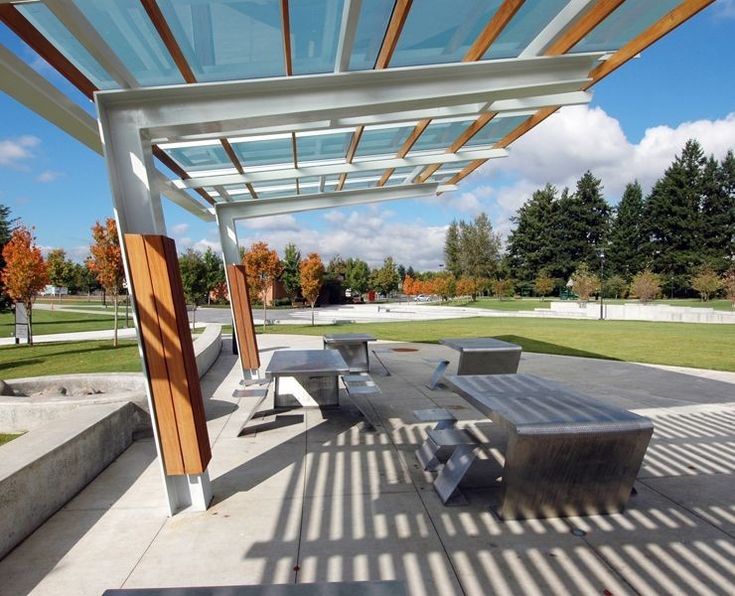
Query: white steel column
x=231, y=256
x=137, y=205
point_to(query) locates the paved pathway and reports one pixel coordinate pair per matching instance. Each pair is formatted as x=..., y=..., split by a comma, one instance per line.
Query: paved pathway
x=319, y=500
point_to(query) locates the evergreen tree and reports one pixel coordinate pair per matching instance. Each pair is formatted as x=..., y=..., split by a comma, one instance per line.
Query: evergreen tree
x=214, y=271
x=479, y=249
x=410, y=272
x=193, y=276
x=718, y=212
x=626, y=253
x=385, y=279
x=673, y=218
x=581, y=226
x=290, y=273
x=452, y=249
x=531, y=244
x=357, y=277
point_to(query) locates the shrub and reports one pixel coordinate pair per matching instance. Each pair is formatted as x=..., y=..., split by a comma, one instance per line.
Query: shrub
x=584, y=282
x=707, y=283
x=543, y=285
x=503, y=288
x=646, y=286
x=615, y=287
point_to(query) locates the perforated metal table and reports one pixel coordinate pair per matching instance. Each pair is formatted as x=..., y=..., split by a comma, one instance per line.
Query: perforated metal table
x=567, y=453
x=353, y=347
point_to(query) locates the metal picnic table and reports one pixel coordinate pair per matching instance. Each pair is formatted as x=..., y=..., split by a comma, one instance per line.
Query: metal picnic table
x=479, y=356
x=353, y=347
x=566, y=453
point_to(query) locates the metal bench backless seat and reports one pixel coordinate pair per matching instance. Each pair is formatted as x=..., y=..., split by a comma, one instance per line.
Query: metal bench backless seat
x=567, y=453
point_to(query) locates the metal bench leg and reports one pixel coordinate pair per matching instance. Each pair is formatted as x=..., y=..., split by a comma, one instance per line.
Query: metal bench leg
x=438, y=374
x=426, y=454
x=447, y=482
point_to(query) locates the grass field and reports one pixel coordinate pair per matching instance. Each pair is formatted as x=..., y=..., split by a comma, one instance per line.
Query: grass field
x=679, y=344
x=67, y=358
x=6, y=438
x=56, y=321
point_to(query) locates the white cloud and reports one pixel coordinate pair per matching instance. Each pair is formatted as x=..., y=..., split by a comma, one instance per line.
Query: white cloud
x=48, y=176
x=581, y=138
x=179, y=229
x=272, y=222
x=366, y=234
x=14, y=152
x=725, y=9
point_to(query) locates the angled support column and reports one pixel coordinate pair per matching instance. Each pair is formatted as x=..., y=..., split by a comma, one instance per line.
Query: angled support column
x=243, y=332
x=137, y=205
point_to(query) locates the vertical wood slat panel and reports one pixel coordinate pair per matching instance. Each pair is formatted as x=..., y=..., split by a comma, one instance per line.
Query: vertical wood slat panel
x=153, y=354
x=169, y=353
x=245, y=328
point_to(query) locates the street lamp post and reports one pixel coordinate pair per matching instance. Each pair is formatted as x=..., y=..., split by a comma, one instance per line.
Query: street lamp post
x=602, y=277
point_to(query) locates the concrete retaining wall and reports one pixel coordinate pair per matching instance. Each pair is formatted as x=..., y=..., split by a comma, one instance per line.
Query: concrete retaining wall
x=42, y=470
x=207, y=348
x=635, y=311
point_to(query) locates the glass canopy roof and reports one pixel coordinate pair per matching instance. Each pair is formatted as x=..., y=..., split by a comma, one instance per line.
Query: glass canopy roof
x=175, y=42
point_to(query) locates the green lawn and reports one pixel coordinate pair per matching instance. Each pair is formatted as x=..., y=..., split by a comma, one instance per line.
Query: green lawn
x=680, y=344
x=6, y=438
x=67, y=358
x=57, y=321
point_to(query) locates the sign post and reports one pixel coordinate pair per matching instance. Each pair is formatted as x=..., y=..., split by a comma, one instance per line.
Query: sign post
x=22, y=323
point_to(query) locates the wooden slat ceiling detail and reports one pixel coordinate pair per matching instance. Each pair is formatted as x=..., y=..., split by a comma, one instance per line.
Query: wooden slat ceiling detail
x=482, y=44
x=174, y=50
x=25, y=30
x=288, y=65
x=390, y=40
x=668, y=23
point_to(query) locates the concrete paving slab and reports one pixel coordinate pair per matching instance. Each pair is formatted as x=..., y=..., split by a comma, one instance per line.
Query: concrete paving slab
x=80, y=552
x=660, y=548
x=241, y=540
x=364, y=537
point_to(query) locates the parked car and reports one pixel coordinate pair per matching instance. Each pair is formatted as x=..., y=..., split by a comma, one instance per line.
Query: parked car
x=423, y=298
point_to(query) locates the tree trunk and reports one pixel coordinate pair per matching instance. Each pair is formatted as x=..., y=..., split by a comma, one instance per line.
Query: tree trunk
x=265, y=309
x=312, y=313
x=114, y=301
x=29, y=310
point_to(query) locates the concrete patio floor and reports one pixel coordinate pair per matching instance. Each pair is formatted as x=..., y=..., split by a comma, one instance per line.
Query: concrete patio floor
x=319, y=500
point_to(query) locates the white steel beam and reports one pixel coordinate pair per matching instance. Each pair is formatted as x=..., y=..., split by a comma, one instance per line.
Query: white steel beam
x=565, y=17
x=250, y=208
x=24, y=84
x=216, y=108
x=349, y=168
x=348, y=28
x=74, y=20
x=572, y=98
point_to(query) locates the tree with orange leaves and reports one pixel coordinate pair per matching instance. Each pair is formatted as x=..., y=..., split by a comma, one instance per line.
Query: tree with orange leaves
x=311, y=277
x=409, y=286
x=25, y=272
x=262, y=267
x=106, y=261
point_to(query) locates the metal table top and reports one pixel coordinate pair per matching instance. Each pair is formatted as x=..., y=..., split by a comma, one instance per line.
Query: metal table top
x=478, y=344
x=348, y=338
x=523, y=400
x=305, y=362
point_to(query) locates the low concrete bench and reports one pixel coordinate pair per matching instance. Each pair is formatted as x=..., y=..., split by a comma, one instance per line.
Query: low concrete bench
x=360, y=387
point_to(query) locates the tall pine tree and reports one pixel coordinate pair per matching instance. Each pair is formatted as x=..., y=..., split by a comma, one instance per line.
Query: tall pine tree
x=479, y=249
x=581, y=225
x=673, y=219
x=452, y=249
x=531, y=243
x=718, y=212
x=626, y=253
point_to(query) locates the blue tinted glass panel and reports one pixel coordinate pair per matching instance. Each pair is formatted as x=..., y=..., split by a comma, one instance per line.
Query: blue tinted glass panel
x=371, y=26
x=259, y=153
x=319, y=147
x=439, y=31
x=382, y=141
x=440, y=135
x=626, y=22
x=194, y=159
x=52, y=29
x=495, y=130
x=315, y=26
x=309, y=185
x=523, y=28
x=358, y=185
x=228, y=39
x=126, y=28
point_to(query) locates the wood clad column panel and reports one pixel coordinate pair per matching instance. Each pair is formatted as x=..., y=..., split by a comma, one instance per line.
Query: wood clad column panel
x=169, y=353
x=247, y=343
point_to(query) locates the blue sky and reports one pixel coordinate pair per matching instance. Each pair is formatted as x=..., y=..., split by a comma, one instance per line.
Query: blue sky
x=639, y=118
